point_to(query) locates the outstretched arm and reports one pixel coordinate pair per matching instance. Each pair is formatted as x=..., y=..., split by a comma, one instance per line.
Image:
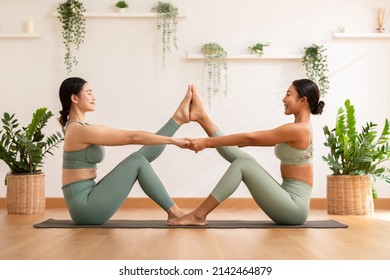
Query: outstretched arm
x=287, y=133
x=107, y=136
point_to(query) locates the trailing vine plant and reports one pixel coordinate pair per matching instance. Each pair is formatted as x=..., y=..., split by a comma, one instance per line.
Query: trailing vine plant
x=215, y=59
x=316, y=66
x=70, y=14
x=167, y=23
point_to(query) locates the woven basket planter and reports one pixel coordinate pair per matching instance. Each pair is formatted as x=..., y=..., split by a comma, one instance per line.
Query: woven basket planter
x=26, y=194
x=349, y=195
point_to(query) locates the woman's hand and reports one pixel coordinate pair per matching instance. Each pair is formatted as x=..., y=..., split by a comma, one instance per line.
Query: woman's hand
x=197, y=144
x=183, y=143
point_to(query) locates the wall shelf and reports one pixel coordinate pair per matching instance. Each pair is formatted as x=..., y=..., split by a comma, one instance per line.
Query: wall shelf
x=120, y=15
x=19, y=36
x=367, y=35
x=252, y=57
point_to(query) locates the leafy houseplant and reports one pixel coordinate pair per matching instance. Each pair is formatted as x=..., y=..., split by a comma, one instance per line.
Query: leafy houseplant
x=357, y=153
x=166, y=21
x=23, y=150
x=215, y=58
x=70, y=14
x=315, y=64
x=258, y=48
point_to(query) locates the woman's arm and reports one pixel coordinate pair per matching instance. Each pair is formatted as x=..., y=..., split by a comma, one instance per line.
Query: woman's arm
x=288, y=133
x=107, y=136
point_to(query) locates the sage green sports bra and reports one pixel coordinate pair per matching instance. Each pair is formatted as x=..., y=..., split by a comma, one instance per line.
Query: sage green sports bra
x=85, y=158
x=293, y=156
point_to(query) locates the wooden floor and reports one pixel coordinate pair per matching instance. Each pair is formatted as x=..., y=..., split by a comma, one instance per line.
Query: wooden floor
x=367, y=238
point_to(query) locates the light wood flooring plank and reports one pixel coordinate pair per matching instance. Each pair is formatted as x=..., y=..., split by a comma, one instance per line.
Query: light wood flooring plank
x=366, y=238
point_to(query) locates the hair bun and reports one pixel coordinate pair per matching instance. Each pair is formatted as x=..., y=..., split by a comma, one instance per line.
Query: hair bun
x=317, y=110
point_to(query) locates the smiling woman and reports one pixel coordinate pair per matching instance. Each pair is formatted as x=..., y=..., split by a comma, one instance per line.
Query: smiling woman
x=91, y=202
x=285, y=203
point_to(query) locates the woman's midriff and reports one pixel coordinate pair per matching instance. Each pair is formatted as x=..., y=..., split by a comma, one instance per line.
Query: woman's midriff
x=298, y=172
x=74, y=175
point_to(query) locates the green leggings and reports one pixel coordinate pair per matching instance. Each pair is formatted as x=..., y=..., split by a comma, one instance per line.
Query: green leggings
x=95, y=203
x=287, y=203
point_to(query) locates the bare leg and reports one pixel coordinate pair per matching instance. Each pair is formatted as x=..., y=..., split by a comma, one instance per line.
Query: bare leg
x=182, y=113
x=199, y=115
x=199, y=215
x=181, y=116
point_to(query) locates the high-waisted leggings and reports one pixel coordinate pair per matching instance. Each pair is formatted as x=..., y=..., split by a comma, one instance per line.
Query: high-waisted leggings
x=95, y=203
x=287, y=203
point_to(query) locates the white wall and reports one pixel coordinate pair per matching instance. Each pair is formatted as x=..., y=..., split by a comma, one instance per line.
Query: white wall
x=121, y=60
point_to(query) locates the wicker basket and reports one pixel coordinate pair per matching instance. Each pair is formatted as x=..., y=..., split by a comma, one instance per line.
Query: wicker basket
x=26, y=194
x=349, y=195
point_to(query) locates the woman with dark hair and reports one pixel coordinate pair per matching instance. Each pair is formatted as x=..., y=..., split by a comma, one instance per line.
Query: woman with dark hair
x=286, y=203
x=91, y=202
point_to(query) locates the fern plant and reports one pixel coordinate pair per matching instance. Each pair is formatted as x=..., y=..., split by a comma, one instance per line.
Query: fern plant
x=23, y=150
x=357, y=153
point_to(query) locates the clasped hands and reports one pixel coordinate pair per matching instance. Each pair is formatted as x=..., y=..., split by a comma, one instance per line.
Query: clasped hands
x=196, y=144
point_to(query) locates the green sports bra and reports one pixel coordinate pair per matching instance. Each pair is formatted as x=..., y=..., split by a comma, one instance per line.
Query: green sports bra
x=293, y=156
x=85, y=158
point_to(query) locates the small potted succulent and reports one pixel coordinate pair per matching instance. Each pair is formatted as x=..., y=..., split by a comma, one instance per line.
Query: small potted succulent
x=122, y=6
x=258, y=48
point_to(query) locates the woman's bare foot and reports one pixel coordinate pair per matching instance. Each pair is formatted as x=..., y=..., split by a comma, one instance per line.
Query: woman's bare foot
x=174, y=214
x=197, y=111
x=191, y=219
x=182, y=113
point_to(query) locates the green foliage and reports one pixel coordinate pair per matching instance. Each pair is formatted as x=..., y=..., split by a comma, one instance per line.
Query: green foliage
x=23, y=150
x=166, y=22
x=316, y=67
x=70, y=14
x=121, y=4
x=357, y=153
x=258, y=48
x=215, y=58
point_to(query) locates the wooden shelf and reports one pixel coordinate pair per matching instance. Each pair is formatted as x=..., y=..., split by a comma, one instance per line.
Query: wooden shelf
x=19, y=36
x=367, y=35
x=120, y=15
x=252, y=57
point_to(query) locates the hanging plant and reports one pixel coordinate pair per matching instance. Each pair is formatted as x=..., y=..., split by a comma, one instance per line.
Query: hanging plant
x=167, y=23
x=70, y=14
x=215, y=59
x=316, y=66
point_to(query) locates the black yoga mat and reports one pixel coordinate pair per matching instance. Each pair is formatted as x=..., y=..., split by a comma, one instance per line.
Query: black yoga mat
x=222, y=224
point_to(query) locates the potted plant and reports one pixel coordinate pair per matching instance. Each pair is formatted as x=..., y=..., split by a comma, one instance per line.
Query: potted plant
x=122, y=6
x=258, y=48
x=70, y=14
x=315, y=65
x=215, y=59
x=23, y=150
x=166, y=22
x=356, y=159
